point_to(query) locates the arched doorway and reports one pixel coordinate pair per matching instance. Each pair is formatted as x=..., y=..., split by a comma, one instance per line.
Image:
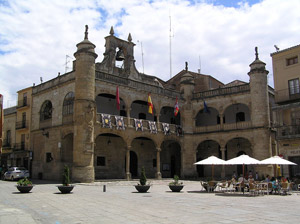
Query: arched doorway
x=108, y=157
x=170, y=158
x=67, y=149
x=133, y=164
x=206, y=149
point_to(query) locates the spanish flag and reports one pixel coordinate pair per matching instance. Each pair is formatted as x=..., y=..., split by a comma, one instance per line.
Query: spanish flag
x=150, y=110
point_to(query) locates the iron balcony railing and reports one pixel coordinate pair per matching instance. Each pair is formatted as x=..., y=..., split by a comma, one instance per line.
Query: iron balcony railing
x=21, y=124
x=6, y=143
x=286, y=95
x=20, y=146
x=222, y=91
x=288, y=131
x=23, y=103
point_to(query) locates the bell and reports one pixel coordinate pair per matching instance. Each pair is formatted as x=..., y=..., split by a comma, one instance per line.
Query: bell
x=120, y=55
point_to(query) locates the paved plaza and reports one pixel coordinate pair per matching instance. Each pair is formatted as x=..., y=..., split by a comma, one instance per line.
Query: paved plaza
x=122, y=204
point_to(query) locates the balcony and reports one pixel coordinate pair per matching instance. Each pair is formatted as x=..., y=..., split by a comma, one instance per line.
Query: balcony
x=223, y=127
x=222, y=91
x=173, y=129
x=21, y=124
x=23, y=103
x=288, y=132
x=20, y=146
x=6, y=143
x=285, y=96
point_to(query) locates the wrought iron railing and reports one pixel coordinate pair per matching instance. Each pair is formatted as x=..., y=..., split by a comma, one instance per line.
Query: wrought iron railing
x=21, y=124
x=23, y=103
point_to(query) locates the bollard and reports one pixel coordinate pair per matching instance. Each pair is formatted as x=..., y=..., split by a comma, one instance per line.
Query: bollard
x=104, y=188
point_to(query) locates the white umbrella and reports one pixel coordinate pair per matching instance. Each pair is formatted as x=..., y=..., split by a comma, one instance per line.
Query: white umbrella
x=242, y=160
x=276, y=160
x=212, y=160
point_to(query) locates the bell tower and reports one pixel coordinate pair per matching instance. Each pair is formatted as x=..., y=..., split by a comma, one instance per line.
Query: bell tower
x=84, y=111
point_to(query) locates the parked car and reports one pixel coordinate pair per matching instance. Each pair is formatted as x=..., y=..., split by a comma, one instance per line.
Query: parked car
x=16, y=173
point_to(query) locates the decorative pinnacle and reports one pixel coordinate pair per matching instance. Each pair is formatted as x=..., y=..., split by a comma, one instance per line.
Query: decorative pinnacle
x=86, y=32
x=186, y=66
x=256, y=53
x=129, y=38
x=111, y=32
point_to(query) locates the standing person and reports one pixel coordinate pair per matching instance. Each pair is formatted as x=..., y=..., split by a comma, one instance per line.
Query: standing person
x=256, y=176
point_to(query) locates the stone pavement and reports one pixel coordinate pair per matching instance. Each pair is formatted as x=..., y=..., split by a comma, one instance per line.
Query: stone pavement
x=122, y=204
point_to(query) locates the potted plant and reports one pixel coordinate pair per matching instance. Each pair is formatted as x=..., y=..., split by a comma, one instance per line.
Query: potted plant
x=24, y=185
x=175, y=185
x=142, y=187
x=66, y=186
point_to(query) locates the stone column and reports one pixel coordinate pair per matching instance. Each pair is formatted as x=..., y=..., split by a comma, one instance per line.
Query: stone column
x=84, y=112
x=221, y=121
x=128, y=174
x=158, y=173
x=128, y=116
x=223, y=149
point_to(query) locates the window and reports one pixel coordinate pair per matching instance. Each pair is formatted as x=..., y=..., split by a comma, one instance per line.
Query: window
x=294, y=86
x=68, y=104
x=46, y=111
x=240, y=116
x=8, y=137
x=48, y=157
x=291, y=61
x=100, y=161
x=24, y=99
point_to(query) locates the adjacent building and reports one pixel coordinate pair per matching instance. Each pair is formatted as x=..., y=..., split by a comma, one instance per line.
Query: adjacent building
x=286, y=69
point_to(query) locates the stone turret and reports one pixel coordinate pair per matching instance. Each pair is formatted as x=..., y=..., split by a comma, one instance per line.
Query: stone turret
x=84, y=111
x=259, y=93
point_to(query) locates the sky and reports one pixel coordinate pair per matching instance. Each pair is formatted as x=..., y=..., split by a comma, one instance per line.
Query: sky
x=216, y=36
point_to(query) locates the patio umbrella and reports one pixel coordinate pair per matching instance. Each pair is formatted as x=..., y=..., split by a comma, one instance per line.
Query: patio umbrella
x=276, y=160
x=242, y=160
x=212, y=160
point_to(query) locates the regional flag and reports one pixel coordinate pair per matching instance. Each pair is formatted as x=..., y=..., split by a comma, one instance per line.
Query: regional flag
x=118, y=98
x=206, y=109
x=150, y=110
x=176, y=107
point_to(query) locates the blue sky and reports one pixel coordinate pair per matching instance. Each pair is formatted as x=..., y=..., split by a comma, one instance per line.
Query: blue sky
x=36, y=36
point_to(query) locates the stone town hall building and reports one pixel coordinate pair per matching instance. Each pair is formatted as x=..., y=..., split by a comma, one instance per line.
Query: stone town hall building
x=75, y=119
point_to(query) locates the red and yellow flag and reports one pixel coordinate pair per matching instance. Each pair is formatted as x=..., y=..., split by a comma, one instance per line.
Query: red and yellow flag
x=150, y=110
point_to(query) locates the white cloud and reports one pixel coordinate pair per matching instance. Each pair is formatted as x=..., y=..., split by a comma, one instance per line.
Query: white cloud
x=36, y=36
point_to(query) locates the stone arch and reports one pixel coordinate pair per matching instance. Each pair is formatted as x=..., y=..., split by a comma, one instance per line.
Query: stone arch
x=110, y=103
x=67, y=149
x=167, y=115
x=238, y=112
x=145, y=149
x=109, y=154
x=207, y=117
x=206, y=149
x=139, y=107
x=170, y=158
x=238, y=146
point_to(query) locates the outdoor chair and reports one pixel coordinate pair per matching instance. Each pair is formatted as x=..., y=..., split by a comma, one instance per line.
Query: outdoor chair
x=284, y=188
x=222, y=186
x=211, y=186
x=253, y=189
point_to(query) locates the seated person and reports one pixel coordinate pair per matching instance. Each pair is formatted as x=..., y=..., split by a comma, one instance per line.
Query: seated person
x=274, y=185
x=267, y=179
